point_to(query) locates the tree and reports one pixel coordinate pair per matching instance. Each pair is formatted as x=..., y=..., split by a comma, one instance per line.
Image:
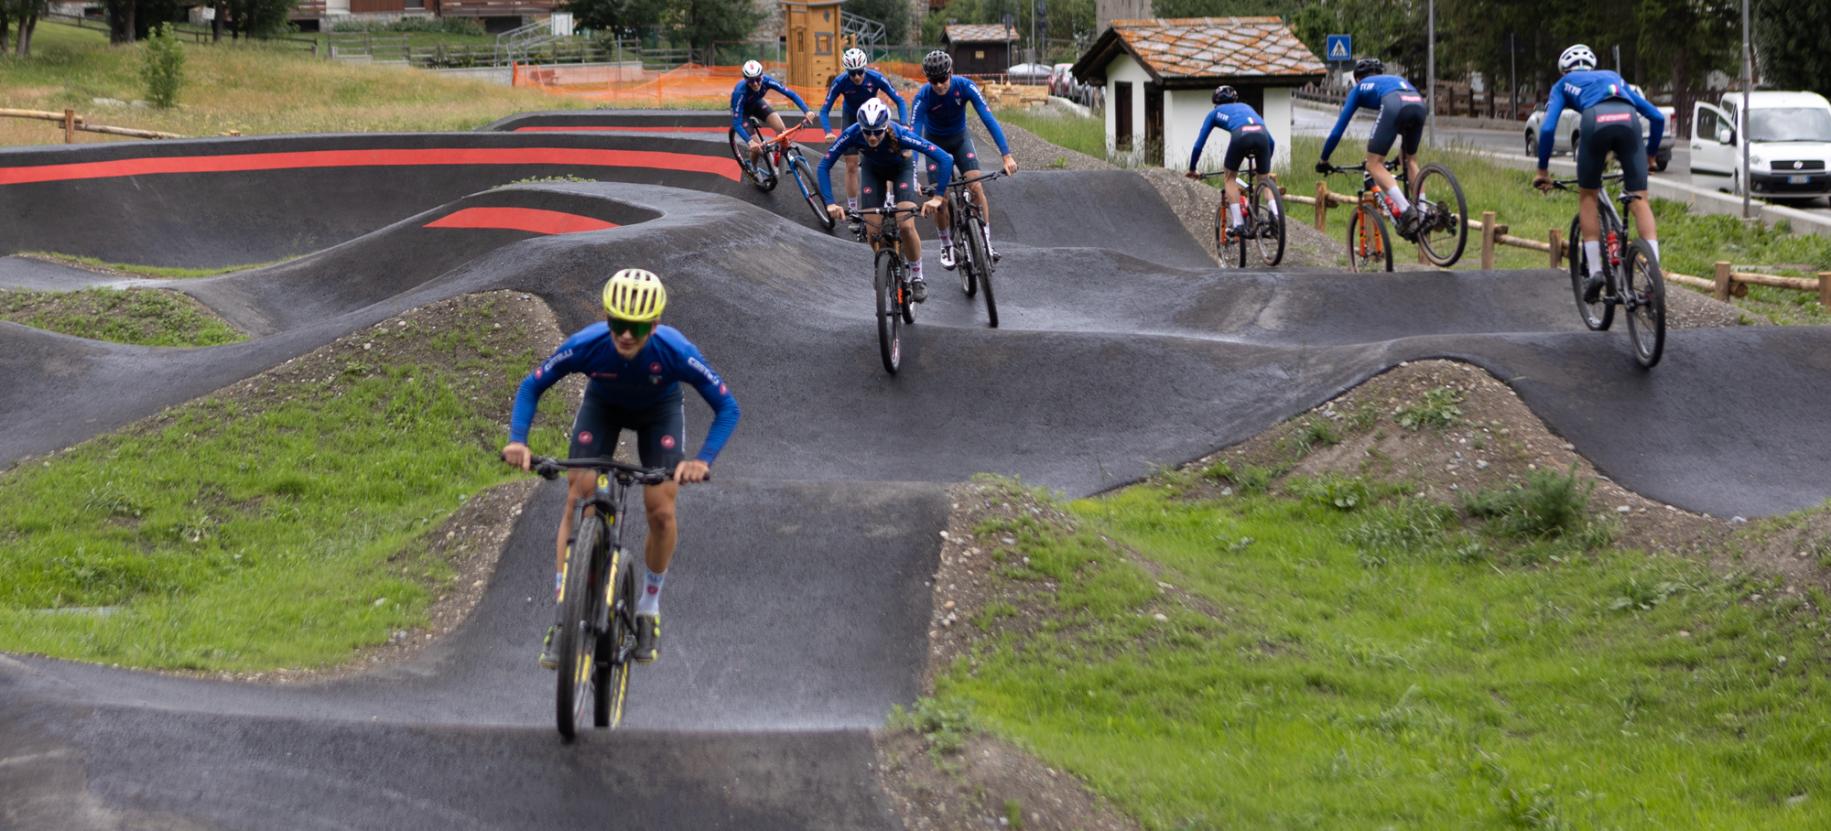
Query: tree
x=22, y=15
x=703, y=23
x=894, y=14
x=1790, y=41
x=255, y=18
x=618, y=17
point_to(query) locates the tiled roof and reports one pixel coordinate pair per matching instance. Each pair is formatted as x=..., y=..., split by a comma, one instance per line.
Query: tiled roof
x=981, y=33
x=1216, y=47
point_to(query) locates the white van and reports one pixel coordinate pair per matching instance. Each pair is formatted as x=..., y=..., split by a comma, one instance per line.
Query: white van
x=1789, y=144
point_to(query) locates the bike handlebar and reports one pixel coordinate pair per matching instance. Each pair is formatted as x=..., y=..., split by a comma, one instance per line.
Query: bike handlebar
x=963, y=182
x=1391, y=165
x=859, y=213
x=1564, y=184
x=550, y=468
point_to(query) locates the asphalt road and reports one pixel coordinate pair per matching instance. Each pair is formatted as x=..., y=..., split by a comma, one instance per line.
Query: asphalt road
x=799, y=607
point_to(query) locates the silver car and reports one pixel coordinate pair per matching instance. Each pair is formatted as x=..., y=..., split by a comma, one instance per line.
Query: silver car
x=1567, y=134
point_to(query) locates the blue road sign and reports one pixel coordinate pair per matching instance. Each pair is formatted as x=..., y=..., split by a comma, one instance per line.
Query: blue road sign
x=1341, y=48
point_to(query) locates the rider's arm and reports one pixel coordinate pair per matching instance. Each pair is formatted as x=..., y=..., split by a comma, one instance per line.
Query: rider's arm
x=1341, y=123
x=944, y=161
x=1656, y=121
x=737, y=112
x=1201, y=139
x=718, y=396
x=1548, y=129
x=826, y=121
x=779, y=87
x=918, y=110
x=527, y=397
x=985, y=116
x=824, y=172
x=902, y=111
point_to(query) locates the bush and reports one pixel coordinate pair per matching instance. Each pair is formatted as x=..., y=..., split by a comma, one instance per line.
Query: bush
x=163, y=69
x=1548, y=505
x=1438, y=410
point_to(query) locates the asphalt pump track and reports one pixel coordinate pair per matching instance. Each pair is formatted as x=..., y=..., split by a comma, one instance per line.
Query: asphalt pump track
x=800, y=602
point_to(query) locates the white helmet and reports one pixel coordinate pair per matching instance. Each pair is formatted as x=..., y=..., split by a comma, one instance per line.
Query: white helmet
x=752, y=69
x=854, y=58
x=873, y=115
x=1577, y=58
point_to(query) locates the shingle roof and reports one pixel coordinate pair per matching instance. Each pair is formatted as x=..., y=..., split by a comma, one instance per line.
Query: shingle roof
x=1216, y=47
x=980, y=33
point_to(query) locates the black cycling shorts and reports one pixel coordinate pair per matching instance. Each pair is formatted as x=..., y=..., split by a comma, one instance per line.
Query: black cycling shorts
x=761, y=111
x=1401, y=116
x=1612, y=126
x=1250, y=140
x=874, y=181
x=960, y=146
x=660, y=430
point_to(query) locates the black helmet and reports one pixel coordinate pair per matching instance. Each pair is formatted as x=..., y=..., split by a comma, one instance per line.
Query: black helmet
x=1225, y=94
x=937, y=65
x=1368, y=66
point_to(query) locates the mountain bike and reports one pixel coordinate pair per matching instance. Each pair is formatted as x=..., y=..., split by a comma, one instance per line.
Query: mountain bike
x=1262, y=208
x=1443, y=222
x=971, y=259
x=1640, y=288
x=597, y=604
x=780, y=153
x=890, y=285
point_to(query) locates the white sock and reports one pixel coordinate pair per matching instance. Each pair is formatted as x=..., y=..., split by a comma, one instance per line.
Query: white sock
x=947, y=236
x=558, y=583
x=915, y=269
x=1593, y=250
x=1653, y=244
x=650, y=601
x=1233, y=213
x=987, y=227
x=1398, y=198
x=852, y=204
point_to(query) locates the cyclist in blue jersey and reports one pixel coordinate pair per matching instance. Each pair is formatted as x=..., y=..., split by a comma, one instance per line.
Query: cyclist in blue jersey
x=636, y=367
x=939, y=115
x=888, y=168
x=747, y=100
x=1401, y=117
x=858, y=84
x=1611, y=124
x=1247, y=136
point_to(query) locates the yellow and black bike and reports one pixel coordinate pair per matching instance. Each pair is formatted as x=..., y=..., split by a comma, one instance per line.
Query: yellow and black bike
x=597, y=618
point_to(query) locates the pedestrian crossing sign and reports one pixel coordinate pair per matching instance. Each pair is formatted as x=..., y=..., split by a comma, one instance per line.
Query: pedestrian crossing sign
x=1340, y=48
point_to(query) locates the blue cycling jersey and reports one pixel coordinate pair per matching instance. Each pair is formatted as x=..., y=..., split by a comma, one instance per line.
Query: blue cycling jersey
x=1582, y=90
x=743, y=98
x=857, y=93
x=1233, y=118
x=886, y=154
x=944, y=113
x=651, y=377
x=1367, y=94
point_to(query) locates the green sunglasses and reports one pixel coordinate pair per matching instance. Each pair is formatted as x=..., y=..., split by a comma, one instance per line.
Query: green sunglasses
x=637, y=329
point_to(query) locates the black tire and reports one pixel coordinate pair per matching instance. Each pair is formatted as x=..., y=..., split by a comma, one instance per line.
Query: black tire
x=1532, y=144
x=768, y=168
x=740, y=153
x=975, y=243
x=1268, y=220
x=1377, y=252
x=1444, y=235
x=1662, y=161
x=1231, y=252
x=810, y=190
x=889, y=313
x=964, y=264
x=577, y=639
x=611, y=691
x=1644, y=294
x=1598, y=316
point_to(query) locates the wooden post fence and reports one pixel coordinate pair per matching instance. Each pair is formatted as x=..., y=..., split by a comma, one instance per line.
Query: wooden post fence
x=1487, y=240
x=1721, y=286
x=1322, y=206
x=1556, y=248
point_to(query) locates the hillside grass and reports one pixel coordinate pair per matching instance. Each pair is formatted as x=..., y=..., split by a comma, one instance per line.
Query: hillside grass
x=139, y=270
x=144, y=317
x=250, y=87
x=1335, y=653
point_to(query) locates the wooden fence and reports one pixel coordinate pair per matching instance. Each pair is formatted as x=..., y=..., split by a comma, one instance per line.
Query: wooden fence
x=1724, y=284
x=73, y=122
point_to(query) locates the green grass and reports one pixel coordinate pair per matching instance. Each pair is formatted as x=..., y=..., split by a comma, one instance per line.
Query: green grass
x=147, y=317
x=1087, y=135
x=229, y=534
x=135, y=269
x=1351, y=657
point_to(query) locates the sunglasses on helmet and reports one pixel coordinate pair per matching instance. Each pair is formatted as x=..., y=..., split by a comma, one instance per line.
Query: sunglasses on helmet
x=635, y=329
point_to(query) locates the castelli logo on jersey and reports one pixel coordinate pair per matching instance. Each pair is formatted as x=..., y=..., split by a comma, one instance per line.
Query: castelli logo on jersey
x=722, y=390
x=584, y=437
x=667, y=442
x=655, y=367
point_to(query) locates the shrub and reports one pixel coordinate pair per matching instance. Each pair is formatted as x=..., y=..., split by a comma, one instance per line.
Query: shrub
x=1547, y=505
x=1437, y=410
x=163, y=69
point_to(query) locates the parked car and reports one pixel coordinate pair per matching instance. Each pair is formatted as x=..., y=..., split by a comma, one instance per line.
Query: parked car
x=1567, y=133
x=1028, y=73
x=1789, y=144
x=1063, y=84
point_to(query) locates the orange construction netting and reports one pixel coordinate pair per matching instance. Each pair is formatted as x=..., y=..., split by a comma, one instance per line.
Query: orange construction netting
x=628, y=85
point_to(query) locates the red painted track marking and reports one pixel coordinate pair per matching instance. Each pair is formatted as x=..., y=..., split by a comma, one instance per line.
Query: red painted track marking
x=570, y=156
x=612, y=128
x=532, y=220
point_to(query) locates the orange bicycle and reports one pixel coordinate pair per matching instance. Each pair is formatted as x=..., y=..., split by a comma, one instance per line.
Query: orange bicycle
x=781, y=152
x=1443, y=226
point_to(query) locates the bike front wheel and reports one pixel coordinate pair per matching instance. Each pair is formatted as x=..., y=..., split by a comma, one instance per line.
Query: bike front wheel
x=810, y=190
x=1598, y=316
x=611, y=688
x=1644, y=295
x=578, y=637
x=982, y=265
x=1444, y=231
x=889, y=312
x=1369, y=248
x=1268, y=221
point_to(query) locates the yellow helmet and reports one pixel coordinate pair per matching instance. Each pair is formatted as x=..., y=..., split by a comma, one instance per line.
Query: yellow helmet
x=635, y=294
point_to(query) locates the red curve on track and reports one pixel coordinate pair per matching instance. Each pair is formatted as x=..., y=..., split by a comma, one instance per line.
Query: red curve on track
x=532, y=220
x=569, y=156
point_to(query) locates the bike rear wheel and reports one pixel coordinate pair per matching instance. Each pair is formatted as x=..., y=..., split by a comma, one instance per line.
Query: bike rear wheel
x=1598, y=316
x=1643, y=290
x=1229, y=250
x=810, y=190
x=975, y=243
x=1369, y=248
x=611, y=688
x=1268, y=221
x=1445, y=229
x=889, y=312
x=578, y=639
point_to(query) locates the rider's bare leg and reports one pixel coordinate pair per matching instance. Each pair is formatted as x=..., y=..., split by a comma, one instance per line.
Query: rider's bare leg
x=658, y=501
x=1642, y=209
x=912, y=242
x=852, y=180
